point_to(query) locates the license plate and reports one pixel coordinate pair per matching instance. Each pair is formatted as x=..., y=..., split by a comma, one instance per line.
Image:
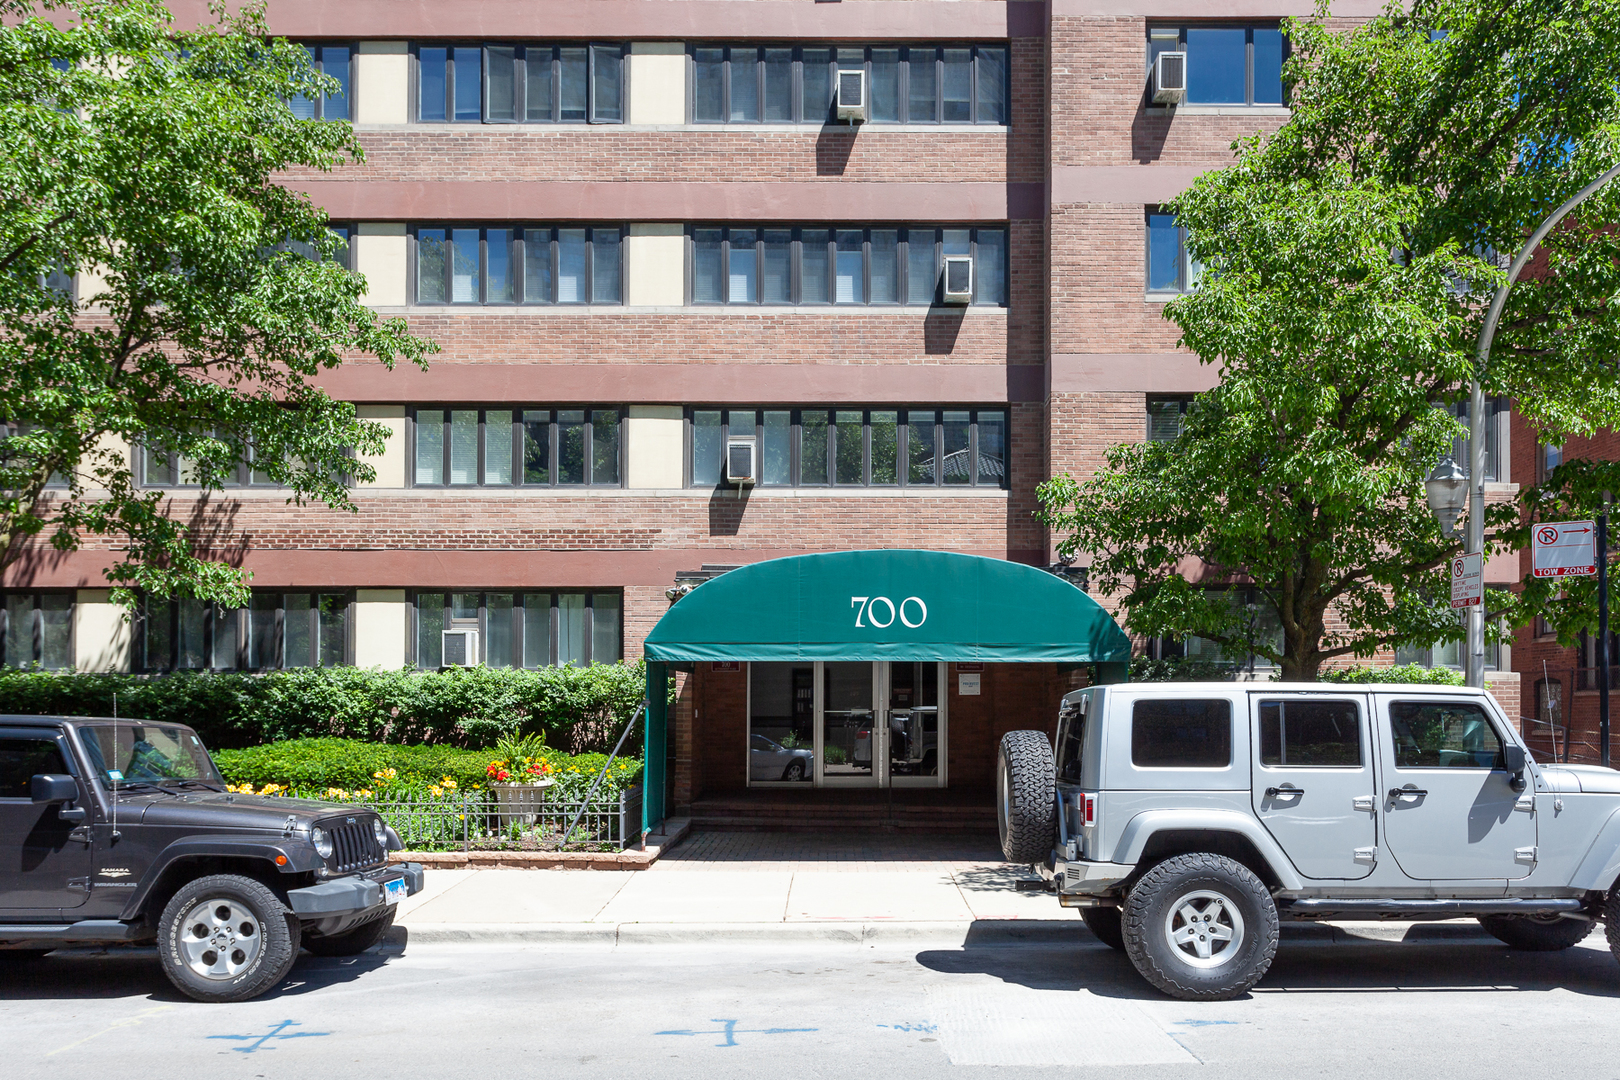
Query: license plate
x=394, y=891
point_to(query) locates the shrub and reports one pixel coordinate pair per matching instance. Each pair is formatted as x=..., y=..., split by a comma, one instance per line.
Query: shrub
x=575, y=709
x=1180, y=669
x=1404, y=673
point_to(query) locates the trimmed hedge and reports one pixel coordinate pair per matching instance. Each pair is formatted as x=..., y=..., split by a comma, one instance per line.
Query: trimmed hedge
x=312, y=765
x=1405, y=673
x=576, y=709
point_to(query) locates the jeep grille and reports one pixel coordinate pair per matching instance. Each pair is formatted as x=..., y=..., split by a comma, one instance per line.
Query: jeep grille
x=353, y=846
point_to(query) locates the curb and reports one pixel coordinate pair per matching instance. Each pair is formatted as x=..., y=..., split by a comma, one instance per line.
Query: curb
x=956, y=935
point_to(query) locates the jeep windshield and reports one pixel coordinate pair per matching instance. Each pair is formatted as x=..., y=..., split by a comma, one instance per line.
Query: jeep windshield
x=143, y=754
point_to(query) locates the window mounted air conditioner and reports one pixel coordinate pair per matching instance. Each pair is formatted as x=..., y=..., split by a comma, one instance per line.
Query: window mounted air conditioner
x=1170, y=78
x=741, y=461
x=459, y=648
x=851, y=104
x=958, y=279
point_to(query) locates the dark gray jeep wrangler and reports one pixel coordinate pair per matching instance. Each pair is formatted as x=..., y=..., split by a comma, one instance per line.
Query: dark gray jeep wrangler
x=122, y=831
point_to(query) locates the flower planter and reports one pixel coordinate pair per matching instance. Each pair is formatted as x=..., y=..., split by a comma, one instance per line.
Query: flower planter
x=519, y=803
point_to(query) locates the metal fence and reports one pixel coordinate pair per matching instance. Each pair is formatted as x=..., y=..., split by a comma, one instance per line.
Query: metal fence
x=479, y=819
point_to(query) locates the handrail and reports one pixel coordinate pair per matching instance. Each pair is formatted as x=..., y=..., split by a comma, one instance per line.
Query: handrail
x=572, y=825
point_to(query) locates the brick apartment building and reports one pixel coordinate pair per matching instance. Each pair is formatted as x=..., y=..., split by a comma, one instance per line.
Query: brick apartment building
x=637, y=230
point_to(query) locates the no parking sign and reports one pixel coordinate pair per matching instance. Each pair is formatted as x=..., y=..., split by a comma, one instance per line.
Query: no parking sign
x=1468, y=580
x=1563, y=549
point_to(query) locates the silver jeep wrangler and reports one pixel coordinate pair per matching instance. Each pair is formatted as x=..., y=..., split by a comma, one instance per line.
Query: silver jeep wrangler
x=1184, y=820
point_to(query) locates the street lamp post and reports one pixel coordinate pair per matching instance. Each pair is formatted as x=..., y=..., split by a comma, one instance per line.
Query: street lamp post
x=1476, y=421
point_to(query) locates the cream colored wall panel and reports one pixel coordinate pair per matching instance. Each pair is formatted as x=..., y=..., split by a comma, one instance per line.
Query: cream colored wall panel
x=657, y=82
x=101, y=634
x=380, y=255
x=110, y=450
x=391, y=465
x=382, y=83
x=381, y=617
x=656, y=444
x=655, y=264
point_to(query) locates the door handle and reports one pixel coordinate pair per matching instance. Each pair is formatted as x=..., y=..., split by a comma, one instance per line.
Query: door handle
x=1398, y=793
x=1286, y=789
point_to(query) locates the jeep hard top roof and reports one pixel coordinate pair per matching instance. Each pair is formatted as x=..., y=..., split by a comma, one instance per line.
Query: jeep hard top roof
x=1260, y=687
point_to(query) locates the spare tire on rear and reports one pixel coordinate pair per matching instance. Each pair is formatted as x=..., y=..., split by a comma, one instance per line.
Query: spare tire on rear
x=1026, y=796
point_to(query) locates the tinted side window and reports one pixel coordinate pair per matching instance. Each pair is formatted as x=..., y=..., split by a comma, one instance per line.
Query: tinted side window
x=1310, y=733
x=21, y=759
x=1443, y=735
x=1071, y=743
x=1192, y=733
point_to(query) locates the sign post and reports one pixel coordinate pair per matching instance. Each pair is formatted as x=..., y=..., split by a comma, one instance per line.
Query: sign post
x=1580, y=549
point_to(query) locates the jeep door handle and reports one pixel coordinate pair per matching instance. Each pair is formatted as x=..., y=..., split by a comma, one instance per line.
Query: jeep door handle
x=1398, y=793
x=1280, y=792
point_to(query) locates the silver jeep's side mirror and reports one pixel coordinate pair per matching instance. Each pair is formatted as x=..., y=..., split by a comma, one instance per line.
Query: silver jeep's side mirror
x=1513, y=760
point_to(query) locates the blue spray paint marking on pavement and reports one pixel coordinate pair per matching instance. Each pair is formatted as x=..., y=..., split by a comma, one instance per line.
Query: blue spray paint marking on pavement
x=911, y=1027
x=277, y=1031
x=731, y=1031
x=1206, y=1023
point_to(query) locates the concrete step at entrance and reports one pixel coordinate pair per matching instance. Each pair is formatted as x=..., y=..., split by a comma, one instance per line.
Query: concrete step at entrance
x=824, y=811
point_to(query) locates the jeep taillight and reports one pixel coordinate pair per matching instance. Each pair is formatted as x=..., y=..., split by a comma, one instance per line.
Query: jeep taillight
x=1088, y=810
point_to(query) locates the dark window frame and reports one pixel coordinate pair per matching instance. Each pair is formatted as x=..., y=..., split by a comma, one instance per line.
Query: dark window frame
x=36, y=626
x=243, y=473
x=517, y=265
x=729, y=64
x=519, y=596
x=1188, y=270
x=903, y=424
x=520, y=50
x=902, y=281
x=1184, y=405
x=1158, y=29
x=518, y=413
x=213, y=617
x=319, y=61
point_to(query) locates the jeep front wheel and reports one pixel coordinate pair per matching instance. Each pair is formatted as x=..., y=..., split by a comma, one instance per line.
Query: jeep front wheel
x=1200, y=927
x=226, y=938
x=1528, y=934
x=1026, y=797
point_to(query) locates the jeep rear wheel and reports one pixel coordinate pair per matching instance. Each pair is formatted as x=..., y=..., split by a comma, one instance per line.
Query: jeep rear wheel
x=1105, y=923
x=226, y=938
x=1026, y=796
x=1200, y=927
x=1529, y=934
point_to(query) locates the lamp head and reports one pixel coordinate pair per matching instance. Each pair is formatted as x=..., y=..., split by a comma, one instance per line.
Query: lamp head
x=1447, y=491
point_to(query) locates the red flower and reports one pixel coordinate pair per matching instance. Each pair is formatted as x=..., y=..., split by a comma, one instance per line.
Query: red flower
x=503, y=775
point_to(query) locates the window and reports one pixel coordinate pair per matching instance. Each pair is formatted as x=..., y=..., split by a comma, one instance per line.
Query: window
x=1548, y=457
x=1444, y=735
x=516, y=447
x=816, y=266
x=22, y=759
x=37, y=628
x=343, y=255
x=523, y=629
x=1169, y=268
x=1165, y=415
x=1226, y=65
x=1496, y=409
x=920, y=84
x=856, y=447
x=160, y=467
x=1310, y=733
x=520, y=84
x=13, y=457
x=1256, y=612
x=330, y=60
x=1188, y=734
x=276, y=630
x=519, y=265
x=1446, y=654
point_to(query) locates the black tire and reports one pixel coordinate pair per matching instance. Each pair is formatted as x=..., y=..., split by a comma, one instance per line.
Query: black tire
x=1026, y=797
x=794, y=771
x=21, y=956
x=1536, y=935
x=351, y=942
x=1107, y=925
x=1236, y=907
x=254, y=942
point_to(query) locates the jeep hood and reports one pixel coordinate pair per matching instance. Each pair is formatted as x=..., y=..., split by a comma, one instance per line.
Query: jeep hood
x=1585, y=778
x=219, y=811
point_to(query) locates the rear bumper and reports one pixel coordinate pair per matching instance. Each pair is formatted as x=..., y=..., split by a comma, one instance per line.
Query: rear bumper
x=354, y=894
x=1079, y=880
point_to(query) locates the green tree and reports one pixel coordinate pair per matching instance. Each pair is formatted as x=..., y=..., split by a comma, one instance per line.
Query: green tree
x=145, y=159
x=1349, y=259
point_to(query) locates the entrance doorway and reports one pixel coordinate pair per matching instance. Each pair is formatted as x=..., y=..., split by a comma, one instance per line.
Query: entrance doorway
x=847, y=723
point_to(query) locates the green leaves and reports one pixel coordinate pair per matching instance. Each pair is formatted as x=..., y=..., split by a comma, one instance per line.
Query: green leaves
x=148, y=161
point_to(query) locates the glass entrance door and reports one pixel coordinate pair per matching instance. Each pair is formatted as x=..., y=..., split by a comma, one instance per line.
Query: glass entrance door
x=915, y=724
x=852, y=745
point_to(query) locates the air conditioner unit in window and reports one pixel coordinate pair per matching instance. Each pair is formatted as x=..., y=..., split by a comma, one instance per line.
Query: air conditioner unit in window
x=851, y=104
x=459, y=648
x=741, y=461
x=1170, y=78
x=958, y=279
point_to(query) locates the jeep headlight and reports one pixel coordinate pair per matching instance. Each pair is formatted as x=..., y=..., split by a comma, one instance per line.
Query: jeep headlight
x=380, y=831
x=322, y=841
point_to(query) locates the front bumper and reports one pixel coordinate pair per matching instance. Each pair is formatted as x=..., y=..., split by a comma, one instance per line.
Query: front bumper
x=353, y=894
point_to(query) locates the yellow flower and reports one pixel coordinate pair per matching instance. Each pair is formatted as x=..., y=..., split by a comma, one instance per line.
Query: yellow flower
x=448, y=784
x=435, y=790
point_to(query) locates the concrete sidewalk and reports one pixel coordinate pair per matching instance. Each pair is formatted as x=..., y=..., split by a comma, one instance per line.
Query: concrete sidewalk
x=952, y=890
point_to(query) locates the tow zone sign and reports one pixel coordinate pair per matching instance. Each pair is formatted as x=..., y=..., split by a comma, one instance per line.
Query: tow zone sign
x=1563, y=549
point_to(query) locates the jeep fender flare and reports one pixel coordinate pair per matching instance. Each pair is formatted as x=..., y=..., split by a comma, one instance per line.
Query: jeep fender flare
x=298, y=857
x=1599, y=868
x=1141, y=828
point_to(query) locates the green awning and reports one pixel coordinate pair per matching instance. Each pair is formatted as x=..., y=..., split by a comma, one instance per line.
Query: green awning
x=888, y=605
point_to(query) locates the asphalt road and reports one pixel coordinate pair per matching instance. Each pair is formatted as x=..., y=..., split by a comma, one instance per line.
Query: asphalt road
x=1425, y=1007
